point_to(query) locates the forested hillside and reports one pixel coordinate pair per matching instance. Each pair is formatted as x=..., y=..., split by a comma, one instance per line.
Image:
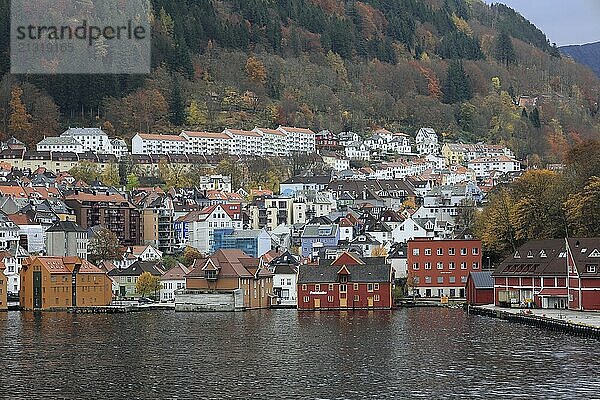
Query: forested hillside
x=587, y=54
x=458, y=66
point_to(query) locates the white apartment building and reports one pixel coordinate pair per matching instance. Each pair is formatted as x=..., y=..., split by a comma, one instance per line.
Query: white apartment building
x=485, y=165
x=246, y=143
x=274, y=142
x=92, y=139
x=207, y=142
x=145, y=143
x=357, y=151
x=300, y=140
x=336, y=163
x=119, y=148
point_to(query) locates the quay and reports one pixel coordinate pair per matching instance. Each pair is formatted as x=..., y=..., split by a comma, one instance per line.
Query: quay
x=577, y=323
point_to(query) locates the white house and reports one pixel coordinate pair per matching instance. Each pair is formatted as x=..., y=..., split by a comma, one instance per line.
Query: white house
x=427, y=141
x=138, y=253
x=13, y=259
x=91, y=139
x=119, y=148
x=483, y=166
x=345, y=138
x=411, y=229
x=285, y=278
x=336, y=162
x=357, y=151
x=172, y=280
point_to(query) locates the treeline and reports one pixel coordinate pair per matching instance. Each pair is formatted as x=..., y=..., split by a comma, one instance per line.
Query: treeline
x=544, y=204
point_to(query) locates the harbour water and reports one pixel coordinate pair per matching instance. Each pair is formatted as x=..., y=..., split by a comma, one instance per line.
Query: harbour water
x=408, y=353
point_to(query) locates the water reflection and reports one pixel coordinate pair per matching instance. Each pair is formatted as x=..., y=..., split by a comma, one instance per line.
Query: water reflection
x=287, y=354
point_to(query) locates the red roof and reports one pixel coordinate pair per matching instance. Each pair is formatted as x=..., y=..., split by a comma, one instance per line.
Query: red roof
x=150, y=136
x=209, y=135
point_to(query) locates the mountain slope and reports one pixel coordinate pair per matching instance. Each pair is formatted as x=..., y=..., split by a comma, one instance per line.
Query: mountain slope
x=587, y=54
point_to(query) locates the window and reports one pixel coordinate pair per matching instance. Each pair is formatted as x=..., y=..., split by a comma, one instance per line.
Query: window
x=416, y=266
x=330, y=299
x=463, y=251
x=415, y=252
x=303, y=287
x=463, y=265
x=475, y=251
x=416, y=279
x=376, y=286
x=427, y=252
x=452, y=279
x=317, y=287
x=591, y=268
x=306, y=299
x=369, y=287
x=440, y=265
x=427, y=279
x=356, y=286
x=376, y=297
x=343, y=288
x=440, y=279
x=475, y=265
x=451, y=265
x=427, y=265
x=451, y=251
x=289, y=282
x=356, y=297
x=440, y=251
x=330, y=286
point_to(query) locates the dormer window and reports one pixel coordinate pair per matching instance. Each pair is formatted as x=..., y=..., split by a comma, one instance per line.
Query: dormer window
x=591, y=268
x=529, y=254
x=543, y=254
x=595, y=254
x=343, y=279
x=517, y=255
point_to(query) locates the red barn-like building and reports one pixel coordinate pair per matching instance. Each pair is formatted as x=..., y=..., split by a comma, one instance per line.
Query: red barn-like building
x=480, y=288
x=583, y=266
x=346, y=283
x=439, y=268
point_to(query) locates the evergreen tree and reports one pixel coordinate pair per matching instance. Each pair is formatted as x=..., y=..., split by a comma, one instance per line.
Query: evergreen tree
x=457, y=87
x=176, y=105
x=535, y=118
x=505, y=52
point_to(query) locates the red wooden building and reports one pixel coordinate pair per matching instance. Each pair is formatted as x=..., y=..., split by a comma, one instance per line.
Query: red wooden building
x=480, y=288
x=345, y=283
x=439, y=268
x=583, y=266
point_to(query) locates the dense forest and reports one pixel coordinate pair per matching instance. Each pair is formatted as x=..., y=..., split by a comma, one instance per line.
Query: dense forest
x=586, y=54
x=458, y=66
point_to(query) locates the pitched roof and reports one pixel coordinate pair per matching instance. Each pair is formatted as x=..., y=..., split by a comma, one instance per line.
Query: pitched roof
x=178, y=272
x=376, y=272
x=482, y=279
x=229, y=262
x=66, y=226
x=299, y=130
x=536, y=258
x=240, y=132
x=138, y=268
x=150, y=136
x=585, y=252
x=207, y=135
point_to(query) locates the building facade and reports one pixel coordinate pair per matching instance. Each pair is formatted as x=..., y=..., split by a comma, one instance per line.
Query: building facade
x=440, y=268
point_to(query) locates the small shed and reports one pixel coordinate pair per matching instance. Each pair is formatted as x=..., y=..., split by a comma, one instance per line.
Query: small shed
x=480, y=288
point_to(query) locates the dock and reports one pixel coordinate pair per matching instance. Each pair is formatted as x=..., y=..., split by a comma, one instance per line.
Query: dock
x=577, y=323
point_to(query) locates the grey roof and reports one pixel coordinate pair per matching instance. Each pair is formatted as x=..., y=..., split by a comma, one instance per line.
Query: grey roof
x=313, y=230
x=247, y=233
x=66, y=226
x=84, y=131
x=59, y=141
x=482, y=279
x=369, y=273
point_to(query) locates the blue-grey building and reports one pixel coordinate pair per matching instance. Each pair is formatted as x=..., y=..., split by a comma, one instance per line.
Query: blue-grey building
x=317, y=236
x=255, y=243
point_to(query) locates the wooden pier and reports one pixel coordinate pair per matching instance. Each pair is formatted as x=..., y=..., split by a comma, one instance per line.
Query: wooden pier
x=577, y=323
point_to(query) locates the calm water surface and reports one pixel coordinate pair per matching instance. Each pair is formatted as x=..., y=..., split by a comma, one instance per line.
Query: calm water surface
x=413, y=353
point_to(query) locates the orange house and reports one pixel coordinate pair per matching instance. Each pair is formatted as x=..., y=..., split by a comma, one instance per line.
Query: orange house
x=63, y=282
x=3, y=288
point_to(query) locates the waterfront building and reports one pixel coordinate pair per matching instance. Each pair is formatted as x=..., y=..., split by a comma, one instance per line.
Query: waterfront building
x=13, y=259
x=439, y=268
x=226, y=281
x=285, y=275
x=62, y=282
x=172, y=280
x=124, y=280
x=346, y=283
x=535, y=275
x=583, y=268
x=480, y=288
x=318, y=236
